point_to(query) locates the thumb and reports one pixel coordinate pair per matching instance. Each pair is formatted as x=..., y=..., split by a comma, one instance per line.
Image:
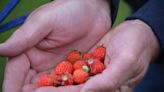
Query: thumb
x=29, y=34
x=72, y=88
x=110, y=79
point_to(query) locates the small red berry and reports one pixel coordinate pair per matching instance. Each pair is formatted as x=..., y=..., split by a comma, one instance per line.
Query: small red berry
x=99, y=53
x=64, y=67
x=96, y=67
x=87, y=56
x=80, y=76
x=91, y=61
x=74, y=56
x=64, y=79
x=45, y=80
x=79, y=64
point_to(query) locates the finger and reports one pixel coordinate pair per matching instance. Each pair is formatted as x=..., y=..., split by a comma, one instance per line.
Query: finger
x=126, y=88
x=29, y=88
x=111, y=78
x=29, y=77
x=29, y=34
x=60, y=89
x=99, y=83
x=15, y=73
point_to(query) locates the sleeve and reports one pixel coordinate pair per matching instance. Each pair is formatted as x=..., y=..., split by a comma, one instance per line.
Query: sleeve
x=152, y=13
x=135, y=4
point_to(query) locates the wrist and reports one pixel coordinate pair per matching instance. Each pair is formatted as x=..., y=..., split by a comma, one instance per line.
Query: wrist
x=151, y=37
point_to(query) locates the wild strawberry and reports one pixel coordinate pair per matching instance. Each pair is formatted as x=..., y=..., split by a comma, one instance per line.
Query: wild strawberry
x=79, y=64
x=80, y=76
x=87, y=56
x=57, y=80
x=92, y=60
x=63, y=79
x=96, y=67
x=74, y=56
x=45, y=80
x=64, y=67
x=99, y=53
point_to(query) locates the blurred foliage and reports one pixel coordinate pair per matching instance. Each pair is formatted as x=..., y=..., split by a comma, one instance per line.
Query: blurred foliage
x=123, y=11
x=26, y=6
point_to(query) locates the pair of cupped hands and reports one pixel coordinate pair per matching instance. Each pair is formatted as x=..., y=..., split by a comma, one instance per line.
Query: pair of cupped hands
x=55, y=29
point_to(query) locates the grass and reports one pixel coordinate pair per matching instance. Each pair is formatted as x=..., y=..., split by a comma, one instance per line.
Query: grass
x=26, y=6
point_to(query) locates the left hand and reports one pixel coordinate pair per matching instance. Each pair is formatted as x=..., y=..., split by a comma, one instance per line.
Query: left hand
x=48, y=35
x=130, y=48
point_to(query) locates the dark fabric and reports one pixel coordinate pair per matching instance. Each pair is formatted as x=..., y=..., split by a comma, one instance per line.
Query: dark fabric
x=152, y=13
x=153, y=80
x=136, y=4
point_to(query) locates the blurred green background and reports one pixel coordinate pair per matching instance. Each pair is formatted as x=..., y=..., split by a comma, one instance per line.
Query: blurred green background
x=26, y=6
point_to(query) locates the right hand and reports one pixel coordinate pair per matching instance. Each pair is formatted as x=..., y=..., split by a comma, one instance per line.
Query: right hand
x=48, y=35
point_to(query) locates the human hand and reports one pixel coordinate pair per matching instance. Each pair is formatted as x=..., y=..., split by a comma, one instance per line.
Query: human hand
x=50, y=33
x=130, y=48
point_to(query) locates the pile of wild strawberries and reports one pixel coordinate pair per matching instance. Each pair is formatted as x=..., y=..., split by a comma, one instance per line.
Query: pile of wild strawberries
x=76, y=69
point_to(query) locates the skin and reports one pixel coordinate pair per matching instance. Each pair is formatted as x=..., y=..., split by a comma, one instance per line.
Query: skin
x=48, y=35
x=131, y=47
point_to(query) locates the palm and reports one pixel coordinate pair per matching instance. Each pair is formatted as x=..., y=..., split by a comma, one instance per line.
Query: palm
x=76, y=29
x=69, y=25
